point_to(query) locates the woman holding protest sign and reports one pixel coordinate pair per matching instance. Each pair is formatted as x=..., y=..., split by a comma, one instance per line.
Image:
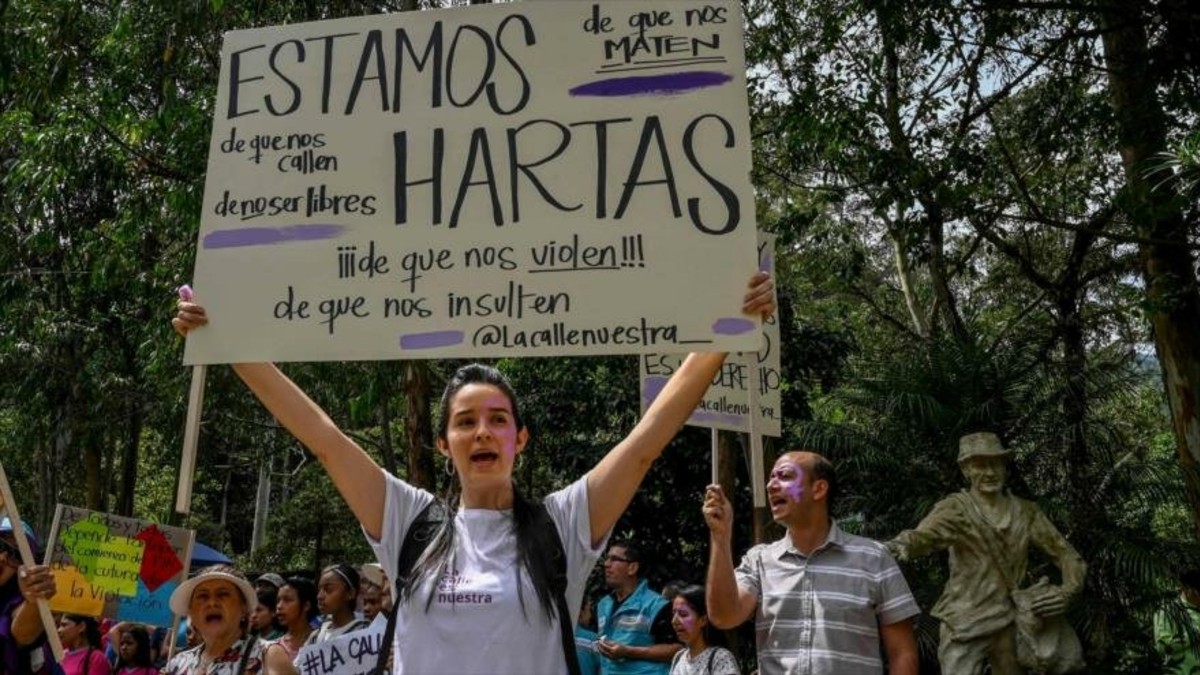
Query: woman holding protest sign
x=23, y=647
x=463, y=608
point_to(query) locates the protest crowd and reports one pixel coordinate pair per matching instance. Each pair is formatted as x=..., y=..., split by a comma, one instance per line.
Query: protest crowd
x=494, y=184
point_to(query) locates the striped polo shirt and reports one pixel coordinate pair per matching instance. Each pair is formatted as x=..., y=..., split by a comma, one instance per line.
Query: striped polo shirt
x=820, y=614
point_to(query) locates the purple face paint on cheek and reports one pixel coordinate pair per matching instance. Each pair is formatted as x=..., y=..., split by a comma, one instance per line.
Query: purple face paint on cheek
x=791, y=480
x=686, y=620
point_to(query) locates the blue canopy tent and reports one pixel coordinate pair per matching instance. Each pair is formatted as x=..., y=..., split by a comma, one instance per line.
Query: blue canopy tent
x=203, y=556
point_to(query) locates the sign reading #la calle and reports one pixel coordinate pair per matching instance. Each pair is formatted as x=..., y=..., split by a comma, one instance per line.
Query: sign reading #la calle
x=541, y=178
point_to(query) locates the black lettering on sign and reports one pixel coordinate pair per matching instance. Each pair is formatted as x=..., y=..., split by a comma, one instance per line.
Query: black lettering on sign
x=705, y=15
x=728, y=196
x=597, y=24
x=406, y=308
x=478, y=150
x=654, y=163
x=651, y=131
x=372, y=51
x=236, y=80
x=478, y=63
x=327, y=67
x=659, y=365
x=289, y=308
x=416, y=263
x=516, y=165
x=351, y=262
x=334, y=308
x=273, y=64
x=402, y=183
x=490, y=256
x=514, y=302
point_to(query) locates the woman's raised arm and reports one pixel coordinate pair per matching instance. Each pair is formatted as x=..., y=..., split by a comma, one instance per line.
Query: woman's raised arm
x=357, y=477
x=615, y=479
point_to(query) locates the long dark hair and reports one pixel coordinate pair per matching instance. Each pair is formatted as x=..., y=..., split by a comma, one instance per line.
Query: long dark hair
x=141, y=655
x=269, y=598
x=694, y=596
x=439, y=555
x=306, y=593
x=91, y=628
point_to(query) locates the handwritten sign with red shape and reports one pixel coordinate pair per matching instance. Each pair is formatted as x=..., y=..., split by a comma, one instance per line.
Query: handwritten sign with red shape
x=116, y=567
x=160, y=563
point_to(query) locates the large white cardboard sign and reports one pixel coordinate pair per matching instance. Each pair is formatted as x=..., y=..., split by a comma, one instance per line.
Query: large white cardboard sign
x=519, y=179
x=727, y=404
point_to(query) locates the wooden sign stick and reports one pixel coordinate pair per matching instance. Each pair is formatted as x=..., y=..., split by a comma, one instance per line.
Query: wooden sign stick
x=716, y=458
x=757, y=475
x=191, y=430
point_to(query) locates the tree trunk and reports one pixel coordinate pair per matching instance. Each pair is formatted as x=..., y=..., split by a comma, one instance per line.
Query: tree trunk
x=726, y=462
x=387, y=444
x=904, y=272
x=418, y=426
x=1075, y=398
x=1168, y=268
x=129, y=459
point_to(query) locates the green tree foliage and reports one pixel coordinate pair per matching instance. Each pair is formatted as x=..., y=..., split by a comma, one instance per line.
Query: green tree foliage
x=961, y=246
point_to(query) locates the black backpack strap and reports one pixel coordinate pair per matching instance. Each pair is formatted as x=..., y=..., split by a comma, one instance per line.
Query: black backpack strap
x=558, y=585
x=416, y=540
x=250, y=640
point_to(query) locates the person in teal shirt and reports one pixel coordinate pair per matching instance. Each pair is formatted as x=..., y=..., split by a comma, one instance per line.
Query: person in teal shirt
x=1177, y=628
x=585, y=641
x=636, y=637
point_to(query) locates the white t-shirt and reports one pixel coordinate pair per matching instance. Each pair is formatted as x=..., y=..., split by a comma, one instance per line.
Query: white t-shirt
x=722, y=662
x=474, y=624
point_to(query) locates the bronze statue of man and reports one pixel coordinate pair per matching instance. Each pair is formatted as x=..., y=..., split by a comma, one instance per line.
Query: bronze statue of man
x=988, y=532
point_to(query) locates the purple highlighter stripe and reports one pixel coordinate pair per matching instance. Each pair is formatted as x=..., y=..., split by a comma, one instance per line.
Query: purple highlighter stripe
x=664, y=84
x=443, y=338
x=733, y=326
x=266, y=236
x=651, y=387
x=724, y=418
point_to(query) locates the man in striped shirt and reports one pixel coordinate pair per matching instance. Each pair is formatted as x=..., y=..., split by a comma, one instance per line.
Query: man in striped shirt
x=823, y=600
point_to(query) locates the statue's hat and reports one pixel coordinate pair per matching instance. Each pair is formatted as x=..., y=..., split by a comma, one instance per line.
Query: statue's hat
x=981, y=444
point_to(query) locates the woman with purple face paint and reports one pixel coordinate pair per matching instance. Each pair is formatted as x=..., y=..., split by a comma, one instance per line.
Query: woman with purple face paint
x=478, y=601
x=700, y=655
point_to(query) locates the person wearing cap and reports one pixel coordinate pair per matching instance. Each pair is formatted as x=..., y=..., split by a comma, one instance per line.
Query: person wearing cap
x=988, y=532
x=824, y=601
x=217, y=603
x=269, y=582
x=20, y=587
x=263, y=622
x=370, y=590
